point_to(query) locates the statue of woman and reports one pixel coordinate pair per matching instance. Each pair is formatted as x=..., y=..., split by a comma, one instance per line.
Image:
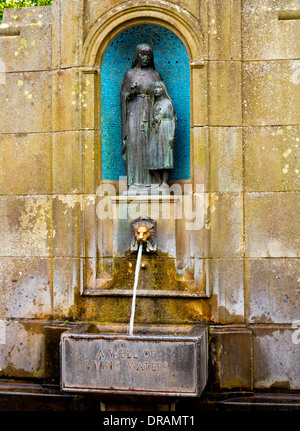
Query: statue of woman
x=137, y=99
x=160, y=154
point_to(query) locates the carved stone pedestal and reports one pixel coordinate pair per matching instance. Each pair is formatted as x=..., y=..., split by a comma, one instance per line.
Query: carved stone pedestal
x=153, y=365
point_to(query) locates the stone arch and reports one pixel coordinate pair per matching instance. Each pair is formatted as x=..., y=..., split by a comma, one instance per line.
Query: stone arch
x=174, y=18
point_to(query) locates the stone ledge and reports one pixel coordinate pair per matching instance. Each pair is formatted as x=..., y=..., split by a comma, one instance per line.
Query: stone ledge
x=23, y=395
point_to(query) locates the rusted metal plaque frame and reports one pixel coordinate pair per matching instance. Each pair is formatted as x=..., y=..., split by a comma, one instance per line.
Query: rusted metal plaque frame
x=138, y=365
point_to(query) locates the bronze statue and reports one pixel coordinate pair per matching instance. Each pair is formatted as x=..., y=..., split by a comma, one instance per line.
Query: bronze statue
x=137, y=96
x=160, y=153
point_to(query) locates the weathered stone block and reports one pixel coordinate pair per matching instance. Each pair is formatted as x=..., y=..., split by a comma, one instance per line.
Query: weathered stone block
x=271, y=92
x=52, y=360
x=25, y=102
x=91, y=225
x=149, y=310
x=271, y=224
x=97, y=8
x=272, y=287
x=91, y=153
x=200, y=143
x=272, y=158
x=225, y=93
x=226, y=279
x=25, y=164
x=199, y=96
x=276, y=358
x=192, y=237
x=31, y=15
x=224, y=29
x=74, y=162
x=67, y=163
x=226, y=159
x=71, y=38
x=163, y=209
x=66, y=225
x=66, y=100
x=66, y=282
x=22, y=353
x=26, y=226
x=231, y=355
x=29, y=46
x=265, y=35
x=25, y=287
x=160, y=276
x=91, y=161
x=88, y=99
x=226, y=225
x=104, y=228
x=67, y=18
x=155, y=365
x=56, y=35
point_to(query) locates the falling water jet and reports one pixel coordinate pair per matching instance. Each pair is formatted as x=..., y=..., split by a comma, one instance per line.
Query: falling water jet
x=143, y=233
x=136, y=280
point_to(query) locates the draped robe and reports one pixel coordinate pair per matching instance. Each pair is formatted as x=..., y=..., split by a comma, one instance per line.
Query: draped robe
x=136, y=123
x=160, y=155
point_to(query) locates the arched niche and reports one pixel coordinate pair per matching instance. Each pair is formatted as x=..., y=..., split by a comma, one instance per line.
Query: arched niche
x=185, y=29
x=172, y=61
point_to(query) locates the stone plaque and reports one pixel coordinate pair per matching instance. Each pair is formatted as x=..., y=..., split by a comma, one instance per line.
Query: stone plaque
x=152, y=365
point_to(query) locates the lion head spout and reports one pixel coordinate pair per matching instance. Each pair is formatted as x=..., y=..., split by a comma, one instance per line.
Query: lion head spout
x=143, y=231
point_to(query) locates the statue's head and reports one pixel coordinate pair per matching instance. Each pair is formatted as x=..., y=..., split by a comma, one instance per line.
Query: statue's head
x=143, y=56
x=160, y=88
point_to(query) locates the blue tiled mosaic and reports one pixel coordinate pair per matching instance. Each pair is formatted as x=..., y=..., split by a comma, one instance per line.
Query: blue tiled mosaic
x=171, y=60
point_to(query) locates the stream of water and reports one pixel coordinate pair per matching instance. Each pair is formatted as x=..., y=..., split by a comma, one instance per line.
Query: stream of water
x=136, y=280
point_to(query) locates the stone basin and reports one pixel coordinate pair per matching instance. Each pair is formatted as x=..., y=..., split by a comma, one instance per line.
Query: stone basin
x=152, y=364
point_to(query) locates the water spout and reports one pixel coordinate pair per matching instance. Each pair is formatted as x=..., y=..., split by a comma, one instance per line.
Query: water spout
x=136, y=280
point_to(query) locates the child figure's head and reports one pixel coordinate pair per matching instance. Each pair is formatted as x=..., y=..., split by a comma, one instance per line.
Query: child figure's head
x=160, y=90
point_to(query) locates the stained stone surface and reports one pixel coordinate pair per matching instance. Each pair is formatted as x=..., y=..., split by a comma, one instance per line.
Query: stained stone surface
x=153, y=365
x=239, y=95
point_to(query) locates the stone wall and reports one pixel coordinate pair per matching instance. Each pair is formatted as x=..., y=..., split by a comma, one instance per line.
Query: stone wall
x=245, y=149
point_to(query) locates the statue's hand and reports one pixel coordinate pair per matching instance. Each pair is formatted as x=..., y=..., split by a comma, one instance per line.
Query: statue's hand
x=133, y=90
x=171, y=143
x=133, y=87
x=132, y=93
x=157, y=120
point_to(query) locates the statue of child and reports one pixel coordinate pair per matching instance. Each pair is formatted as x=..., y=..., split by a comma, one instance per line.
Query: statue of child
x=162, y=138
